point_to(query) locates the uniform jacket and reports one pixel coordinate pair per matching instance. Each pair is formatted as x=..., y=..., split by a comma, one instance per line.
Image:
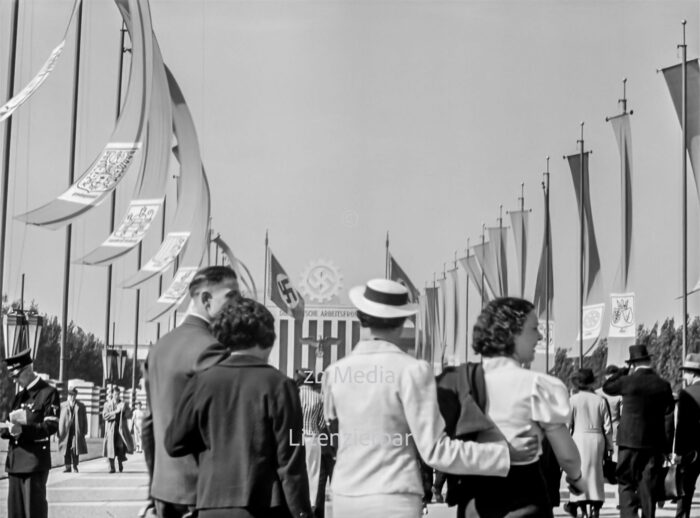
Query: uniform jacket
x=688, y=426
x=116, y=418
x=78, y=416
x=385, y=402
x=170, y=363
x=243, y=417
x=647, y=410
x=29, y=452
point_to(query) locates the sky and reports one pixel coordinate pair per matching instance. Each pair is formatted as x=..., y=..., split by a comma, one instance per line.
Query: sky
x=330, y=123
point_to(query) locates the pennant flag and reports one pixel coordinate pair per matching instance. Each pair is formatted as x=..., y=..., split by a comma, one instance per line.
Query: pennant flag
x=451, y=317
x=153, y=174
x=42, y=75
x=110, y=166
x=486, y=257
x=283, y=293
x=544, y=285
x=519, y=220
x=591, y=259
x=674, y=81
x=461, y=307
x=497, y=240
x=397, y=274
x=471, y=266
x=622, y=320
x=191, y=184
x=592, y=322
x=433, y=321
x=442, y=319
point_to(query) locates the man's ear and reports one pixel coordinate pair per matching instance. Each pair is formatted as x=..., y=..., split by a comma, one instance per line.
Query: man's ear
x=205, y=298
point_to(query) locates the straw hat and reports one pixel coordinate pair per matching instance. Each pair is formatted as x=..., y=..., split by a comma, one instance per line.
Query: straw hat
x=383, y=298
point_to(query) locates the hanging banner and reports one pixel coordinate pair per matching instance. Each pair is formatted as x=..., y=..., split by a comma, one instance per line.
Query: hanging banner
x=240, y=268
x=541, y=347
x=519, y=219
x=622, y=319
x=486, y=257
x=113, y=162
x=178, y=286
x=544, y=284
x=283, y=293
x=169, y=249
x=471, y=266
x=497, y=240
x=18, y=100
x=139, y=216
x=592, y=321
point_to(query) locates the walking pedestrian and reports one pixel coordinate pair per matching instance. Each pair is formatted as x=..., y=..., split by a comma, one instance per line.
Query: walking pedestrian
x=687, y=445
x=72, y=426
x=314, y=423
x=243, y=419
x=505, y=335
x=137, y=427
x=591, y=429
x=32, y=421
x=170, y=363
x=645, y=434
x=117, y=441
x=385, y=404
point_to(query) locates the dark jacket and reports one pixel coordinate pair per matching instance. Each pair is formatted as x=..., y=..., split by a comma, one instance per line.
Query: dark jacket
x=78, y=417
x=688, y=427
x=647, y=410
x=30, y=452
x=243, y=417
x=170, y=363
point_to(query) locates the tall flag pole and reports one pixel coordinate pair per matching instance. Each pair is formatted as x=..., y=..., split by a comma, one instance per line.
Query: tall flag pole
x=483, y=274
x=684, y=172
x=71, y=175
x=548, y=265
x=466, y=311
x=267, y=255
x=582, y=189
x=8, y=141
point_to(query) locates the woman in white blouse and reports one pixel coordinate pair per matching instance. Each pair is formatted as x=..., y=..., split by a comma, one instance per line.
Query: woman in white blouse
x=385, y=403
x=521, y=401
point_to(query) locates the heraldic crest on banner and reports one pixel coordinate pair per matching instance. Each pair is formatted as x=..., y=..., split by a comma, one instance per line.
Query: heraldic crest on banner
x=178, y=287
x=622, y=321
x=138, y=218
x=168, y=251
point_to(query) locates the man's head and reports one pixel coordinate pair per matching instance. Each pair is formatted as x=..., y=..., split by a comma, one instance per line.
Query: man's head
x=210, y=288
x=20, y=369
x=116, y=395
x=72, y=394
x=611, y=370
x=639, y=357
x=691, y=368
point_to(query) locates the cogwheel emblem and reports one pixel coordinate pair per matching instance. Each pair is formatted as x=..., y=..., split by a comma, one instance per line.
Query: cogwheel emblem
x=321, y=281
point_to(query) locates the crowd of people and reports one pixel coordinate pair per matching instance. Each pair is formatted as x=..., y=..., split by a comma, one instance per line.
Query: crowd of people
x=227, y=435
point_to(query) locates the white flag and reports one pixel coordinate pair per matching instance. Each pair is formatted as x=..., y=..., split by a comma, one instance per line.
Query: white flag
x=592, y=321
x=622, y=320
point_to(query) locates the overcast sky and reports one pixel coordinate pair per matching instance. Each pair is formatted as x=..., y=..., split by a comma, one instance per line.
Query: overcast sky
x=332, y=122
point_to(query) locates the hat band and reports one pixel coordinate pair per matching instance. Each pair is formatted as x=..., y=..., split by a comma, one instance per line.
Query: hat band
x=389, y=299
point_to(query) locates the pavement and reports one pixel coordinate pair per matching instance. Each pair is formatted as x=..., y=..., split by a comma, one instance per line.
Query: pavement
x=95, y=493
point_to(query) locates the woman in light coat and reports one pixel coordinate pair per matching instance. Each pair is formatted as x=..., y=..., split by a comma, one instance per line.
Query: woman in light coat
x=591, y=428
x=385, y=404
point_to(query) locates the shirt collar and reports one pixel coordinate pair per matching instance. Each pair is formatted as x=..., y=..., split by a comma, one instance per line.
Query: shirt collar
x=200, y=317
x=497, y=362
x=375, y=346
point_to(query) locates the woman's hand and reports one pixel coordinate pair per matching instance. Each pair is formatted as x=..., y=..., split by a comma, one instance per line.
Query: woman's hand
x=523, y=449
x=577, y=485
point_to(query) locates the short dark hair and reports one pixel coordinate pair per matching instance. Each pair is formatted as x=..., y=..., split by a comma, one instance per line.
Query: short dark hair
x=243, y=323
x=498, y=324
x=210, y=275
x=379, y=323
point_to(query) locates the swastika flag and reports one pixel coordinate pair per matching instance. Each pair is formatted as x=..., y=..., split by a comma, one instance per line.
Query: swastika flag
x=397, y=274
x=283, y=293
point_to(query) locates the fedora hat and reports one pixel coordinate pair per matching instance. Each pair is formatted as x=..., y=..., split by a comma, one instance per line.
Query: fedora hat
x=638, y=353
x=382, y=298
x=692, y=362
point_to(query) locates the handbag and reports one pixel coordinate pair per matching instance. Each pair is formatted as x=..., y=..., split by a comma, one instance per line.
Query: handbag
x=671, y=488
x=609, y=468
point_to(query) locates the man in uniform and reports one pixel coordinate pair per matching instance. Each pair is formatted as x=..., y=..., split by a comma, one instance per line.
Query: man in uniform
x=185, y=350
x=34, y=418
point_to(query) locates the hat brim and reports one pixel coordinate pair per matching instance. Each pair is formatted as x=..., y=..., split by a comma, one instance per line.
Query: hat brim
x=640, y=359
x=375, y=309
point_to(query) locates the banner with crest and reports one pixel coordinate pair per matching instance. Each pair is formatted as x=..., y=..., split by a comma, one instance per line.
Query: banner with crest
x=622, y=318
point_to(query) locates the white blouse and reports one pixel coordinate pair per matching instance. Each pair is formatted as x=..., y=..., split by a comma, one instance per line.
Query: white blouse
x=524, y=401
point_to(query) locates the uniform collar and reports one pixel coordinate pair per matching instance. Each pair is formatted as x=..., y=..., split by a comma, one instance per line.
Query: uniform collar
x=33, y=382
x=376, y=346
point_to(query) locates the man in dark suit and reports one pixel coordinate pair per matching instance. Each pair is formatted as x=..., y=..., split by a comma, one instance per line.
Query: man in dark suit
x=172, y=360
x=688, y=432
x=645, y=434
x=34, y=418
x=243, y=419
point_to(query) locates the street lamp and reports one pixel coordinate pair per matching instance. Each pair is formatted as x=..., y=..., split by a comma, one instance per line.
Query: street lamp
x=114, y=362
x=22, y=332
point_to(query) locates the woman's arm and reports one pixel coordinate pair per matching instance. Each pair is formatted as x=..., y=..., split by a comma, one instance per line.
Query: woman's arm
x=566, y=452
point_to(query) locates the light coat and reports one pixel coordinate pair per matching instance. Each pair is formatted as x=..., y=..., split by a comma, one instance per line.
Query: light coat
x=116, y=417
x=78, y=415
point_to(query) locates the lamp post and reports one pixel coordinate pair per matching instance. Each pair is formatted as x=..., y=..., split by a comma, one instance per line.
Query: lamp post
x=22, y=332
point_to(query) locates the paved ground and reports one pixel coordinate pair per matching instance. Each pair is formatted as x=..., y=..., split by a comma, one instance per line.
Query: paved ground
x=94, y=493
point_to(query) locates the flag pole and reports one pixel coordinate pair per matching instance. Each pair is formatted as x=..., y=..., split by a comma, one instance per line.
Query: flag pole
x=387, y=273
x=483, y=278
x=8, y=140
x=71, y=175
x=466, y=289
x=135, y=362
x=499, y=255
x=108, y=308
x=523, y=244
x=684, y=183
x=547, y=230
x=581, y=185
x=266, y=268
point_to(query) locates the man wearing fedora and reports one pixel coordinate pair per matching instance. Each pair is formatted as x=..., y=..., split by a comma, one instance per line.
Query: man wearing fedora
x=688, y=432
x=33, y=419
x=645, y=434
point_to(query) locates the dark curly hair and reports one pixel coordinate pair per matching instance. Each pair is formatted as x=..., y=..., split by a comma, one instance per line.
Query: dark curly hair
x=243, y=323
x=498, y=324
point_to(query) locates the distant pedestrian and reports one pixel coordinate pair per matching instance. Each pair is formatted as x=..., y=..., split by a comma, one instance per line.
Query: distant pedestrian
x=591, y=429
x=645, y=434
x=243, y=419
x=688, y=432
x=180, y=353
x=615, y=403
x=137, y=426
x=314, y=424
x=34, y=418
x=72, y=427
x=117, y=441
